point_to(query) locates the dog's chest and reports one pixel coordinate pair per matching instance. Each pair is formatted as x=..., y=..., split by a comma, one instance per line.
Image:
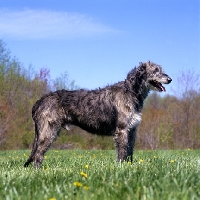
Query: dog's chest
x=135, y=119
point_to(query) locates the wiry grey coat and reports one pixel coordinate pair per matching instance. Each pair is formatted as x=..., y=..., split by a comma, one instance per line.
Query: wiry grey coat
x=113, y=110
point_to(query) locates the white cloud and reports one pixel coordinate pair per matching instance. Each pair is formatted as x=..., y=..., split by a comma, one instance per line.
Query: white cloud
x=42, y=24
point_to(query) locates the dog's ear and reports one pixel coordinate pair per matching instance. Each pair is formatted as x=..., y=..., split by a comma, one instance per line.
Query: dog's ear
x=144, y=66
x=143, y=70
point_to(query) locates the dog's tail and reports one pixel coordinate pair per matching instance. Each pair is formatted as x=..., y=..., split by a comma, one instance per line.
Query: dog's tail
x=34, y=149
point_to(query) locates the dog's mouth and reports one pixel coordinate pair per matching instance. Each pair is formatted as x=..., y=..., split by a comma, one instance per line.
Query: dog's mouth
x=158, y=86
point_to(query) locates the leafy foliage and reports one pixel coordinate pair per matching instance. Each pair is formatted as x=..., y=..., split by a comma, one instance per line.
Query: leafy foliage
x=19, y=90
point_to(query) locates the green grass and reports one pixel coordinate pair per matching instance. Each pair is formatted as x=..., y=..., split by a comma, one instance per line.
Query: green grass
x=78, y=174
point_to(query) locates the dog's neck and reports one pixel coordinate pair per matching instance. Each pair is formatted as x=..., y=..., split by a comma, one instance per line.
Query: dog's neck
x=136, y=85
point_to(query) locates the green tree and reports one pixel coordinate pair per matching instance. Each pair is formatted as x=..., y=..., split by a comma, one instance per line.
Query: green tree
x=20, y=88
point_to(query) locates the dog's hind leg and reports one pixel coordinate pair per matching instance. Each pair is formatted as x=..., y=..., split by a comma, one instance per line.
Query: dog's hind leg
x=34, y=148
x=47, y=136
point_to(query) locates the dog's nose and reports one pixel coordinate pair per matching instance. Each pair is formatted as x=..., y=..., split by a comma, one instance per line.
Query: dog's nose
x=169, y=80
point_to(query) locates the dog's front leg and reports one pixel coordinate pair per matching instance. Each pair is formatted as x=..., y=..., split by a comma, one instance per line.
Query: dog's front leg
x=121, y=144
x=124, y=144
x=131, y=142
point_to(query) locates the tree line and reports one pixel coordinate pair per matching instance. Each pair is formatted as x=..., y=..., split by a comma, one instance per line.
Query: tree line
x=169, y=122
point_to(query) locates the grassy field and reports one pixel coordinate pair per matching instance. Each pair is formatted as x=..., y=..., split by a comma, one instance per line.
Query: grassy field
x=77, y=174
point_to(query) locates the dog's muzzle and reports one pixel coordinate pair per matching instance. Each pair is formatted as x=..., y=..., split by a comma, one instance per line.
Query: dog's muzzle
x=158, y=85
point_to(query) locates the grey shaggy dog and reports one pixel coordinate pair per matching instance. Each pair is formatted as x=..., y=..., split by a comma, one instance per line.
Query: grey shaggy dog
x=113, y=110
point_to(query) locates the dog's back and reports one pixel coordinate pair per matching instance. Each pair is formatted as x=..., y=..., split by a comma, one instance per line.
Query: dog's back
x=92, y=110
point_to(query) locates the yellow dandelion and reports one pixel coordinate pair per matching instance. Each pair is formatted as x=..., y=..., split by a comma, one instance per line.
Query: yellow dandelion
x=155, y=157
x=129, y=163
x=188, y=149
x=25, y=155
x=172, y=161
x=94, y=156
x=52, y=199
x=45, y=157
x=86, y=187
x=86, y=166
x=83, y=174
x=78, y=184
x=141, y=161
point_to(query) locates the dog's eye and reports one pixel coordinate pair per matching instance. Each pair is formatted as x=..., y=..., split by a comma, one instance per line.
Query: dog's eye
x=156, y=70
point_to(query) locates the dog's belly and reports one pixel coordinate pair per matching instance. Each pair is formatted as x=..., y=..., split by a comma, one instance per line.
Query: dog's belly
x=100, y=119
x=101, y=128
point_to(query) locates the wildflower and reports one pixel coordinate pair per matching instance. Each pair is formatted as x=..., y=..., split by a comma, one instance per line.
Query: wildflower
x=25, y=155
x=141, y=160
x=188, y=149
x=172, y=161
x=86, y=166
x=86, y=187
x=52, y=199
x=129, y=162
x=155, y=157
x=83, y=174
x=78, y=184
x=45, y=157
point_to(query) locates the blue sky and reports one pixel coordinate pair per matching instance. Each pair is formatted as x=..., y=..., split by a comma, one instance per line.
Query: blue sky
x=99, y=42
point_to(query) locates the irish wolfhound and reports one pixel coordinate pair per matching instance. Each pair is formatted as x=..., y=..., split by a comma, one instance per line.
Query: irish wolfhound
x=113, y=110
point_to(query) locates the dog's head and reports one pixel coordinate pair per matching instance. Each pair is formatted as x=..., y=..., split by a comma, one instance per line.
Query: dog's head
x=155, y=76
